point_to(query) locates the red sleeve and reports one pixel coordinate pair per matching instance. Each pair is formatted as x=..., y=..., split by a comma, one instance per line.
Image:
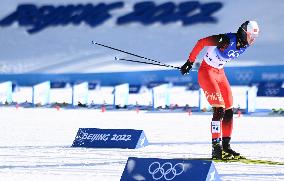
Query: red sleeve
x=220, y=41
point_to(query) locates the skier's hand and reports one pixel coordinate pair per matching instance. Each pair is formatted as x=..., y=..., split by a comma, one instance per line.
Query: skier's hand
x=186, y=67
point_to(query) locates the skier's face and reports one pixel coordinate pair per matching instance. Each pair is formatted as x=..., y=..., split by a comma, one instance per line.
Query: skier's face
x=251, y=36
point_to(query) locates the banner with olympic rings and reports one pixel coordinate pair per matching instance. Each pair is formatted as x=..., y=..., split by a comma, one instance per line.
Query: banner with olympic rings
x=169, y=169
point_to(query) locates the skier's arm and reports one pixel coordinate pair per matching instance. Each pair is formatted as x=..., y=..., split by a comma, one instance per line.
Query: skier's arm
x=221, y=41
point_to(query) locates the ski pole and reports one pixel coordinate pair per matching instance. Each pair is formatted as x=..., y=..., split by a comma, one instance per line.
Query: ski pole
x=137, y=61
x=162, y=65
x=158, y=62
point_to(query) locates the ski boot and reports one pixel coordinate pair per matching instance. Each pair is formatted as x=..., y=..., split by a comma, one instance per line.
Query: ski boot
x=227, y=149
x=218, y=153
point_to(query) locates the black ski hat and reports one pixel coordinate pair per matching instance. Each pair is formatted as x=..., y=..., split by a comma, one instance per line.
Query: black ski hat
x=241, y=34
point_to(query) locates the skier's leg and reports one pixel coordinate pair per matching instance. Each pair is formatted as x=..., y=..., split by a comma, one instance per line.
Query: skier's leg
x=216, y=127
x=207, y=78
x=227, y=122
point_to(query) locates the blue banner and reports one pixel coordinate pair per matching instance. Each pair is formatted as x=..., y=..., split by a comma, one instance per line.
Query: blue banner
x=169, y=169
x=271, y=89
x=58, y=84
x=110, y=138
x=236, y=76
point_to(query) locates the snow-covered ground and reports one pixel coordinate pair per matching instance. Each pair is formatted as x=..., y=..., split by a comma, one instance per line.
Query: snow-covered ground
x=35, y=144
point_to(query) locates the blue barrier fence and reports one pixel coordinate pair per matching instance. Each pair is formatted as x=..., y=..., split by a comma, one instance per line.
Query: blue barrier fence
x=236, y=76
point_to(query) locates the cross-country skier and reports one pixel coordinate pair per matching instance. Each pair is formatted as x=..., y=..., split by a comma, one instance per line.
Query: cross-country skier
x=212, y=79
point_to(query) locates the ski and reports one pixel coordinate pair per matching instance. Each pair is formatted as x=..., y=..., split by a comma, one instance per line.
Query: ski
x=241, y=160
x=251, y=161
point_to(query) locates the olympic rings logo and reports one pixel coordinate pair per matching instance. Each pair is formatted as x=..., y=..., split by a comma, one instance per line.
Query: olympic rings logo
x=271, y=91
x=233, y=54
x=244, y=76
x=167, y=170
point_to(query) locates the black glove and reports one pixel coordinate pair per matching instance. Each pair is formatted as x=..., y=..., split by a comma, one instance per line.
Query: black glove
x=186, y=67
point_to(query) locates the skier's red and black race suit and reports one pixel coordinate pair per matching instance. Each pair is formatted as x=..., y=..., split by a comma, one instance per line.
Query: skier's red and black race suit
x=211, y=76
